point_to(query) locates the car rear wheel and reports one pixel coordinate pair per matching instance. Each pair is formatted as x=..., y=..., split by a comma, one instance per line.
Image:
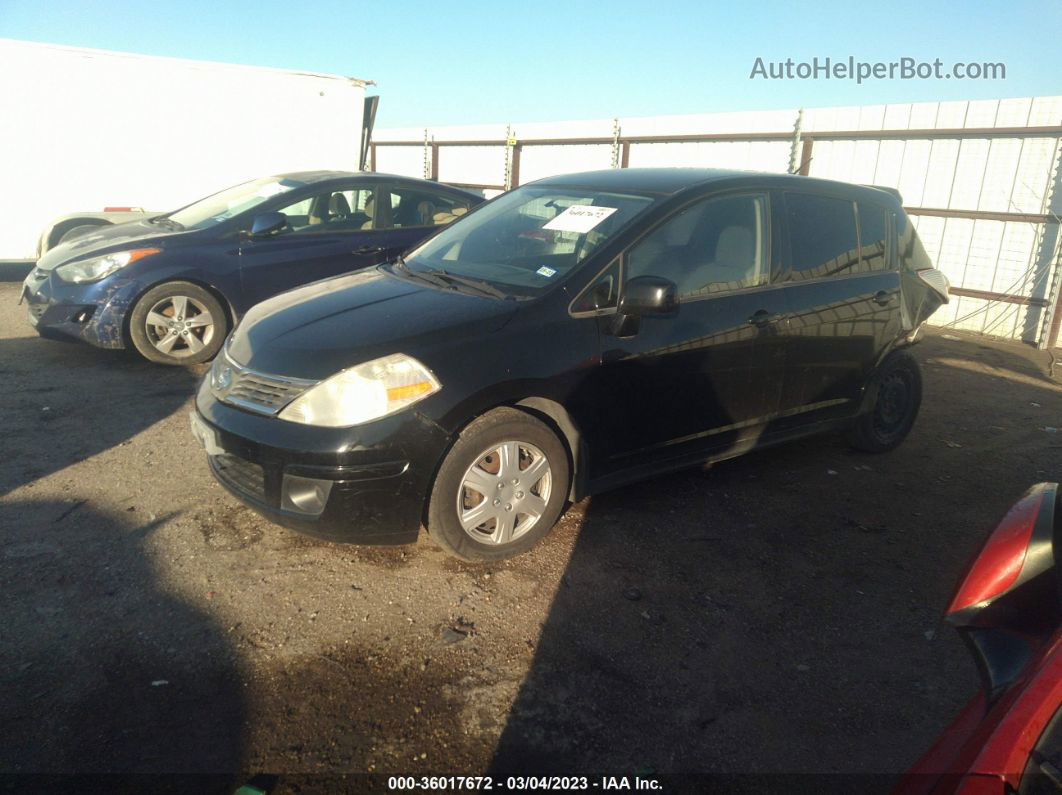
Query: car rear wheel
x=897, y=397
x=178, y=323
x=500, y=489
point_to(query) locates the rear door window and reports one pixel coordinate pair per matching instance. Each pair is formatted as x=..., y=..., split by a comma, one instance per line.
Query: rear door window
x=873, y=237
x=425, y=208
x=822, y=235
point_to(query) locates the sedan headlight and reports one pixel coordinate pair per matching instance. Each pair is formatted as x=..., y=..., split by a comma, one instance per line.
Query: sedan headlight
x=363, y=393
x=96, y=268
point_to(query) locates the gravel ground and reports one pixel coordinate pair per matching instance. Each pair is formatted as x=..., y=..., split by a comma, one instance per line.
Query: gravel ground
x=778, y=613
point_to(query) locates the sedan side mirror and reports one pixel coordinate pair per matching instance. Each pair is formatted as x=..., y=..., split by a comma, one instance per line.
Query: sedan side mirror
x=649, y=296
x=268, y=223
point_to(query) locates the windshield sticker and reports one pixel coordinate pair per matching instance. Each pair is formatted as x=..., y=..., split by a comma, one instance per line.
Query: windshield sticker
x=544, y=271
x=580, y=218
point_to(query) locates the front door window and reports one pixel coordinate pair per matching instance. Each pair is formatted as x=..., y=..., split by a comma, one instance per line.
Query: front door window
x=711, y=247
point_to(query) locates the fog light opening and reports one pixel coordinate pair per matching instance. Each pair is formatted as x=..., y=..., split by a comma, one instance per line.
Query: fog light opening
x=84, y=315
x=305, y=495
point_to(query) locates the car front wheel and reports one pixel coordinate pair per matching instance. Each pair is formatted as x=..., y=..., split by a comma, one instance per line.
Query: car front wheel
x=178, y=323
x=500, y=489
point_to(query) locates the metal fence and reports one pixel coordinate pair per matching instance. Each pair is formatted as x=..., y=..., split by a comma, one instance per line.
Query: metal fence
x=982, y=180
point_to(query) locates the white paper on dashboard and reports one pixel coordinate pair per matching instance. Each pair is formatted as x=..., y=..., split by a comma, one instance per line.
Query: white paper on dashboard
x=579, y=218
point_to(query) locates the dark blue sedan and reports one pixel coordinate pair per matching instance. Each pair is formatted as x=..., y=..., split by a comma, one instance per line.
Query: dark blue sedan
x=173, y=285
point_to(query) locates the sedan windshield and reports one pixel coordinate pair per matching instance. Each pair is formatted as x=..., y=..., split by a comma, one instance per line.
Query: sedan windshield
x=527, y=239
x=232, y=201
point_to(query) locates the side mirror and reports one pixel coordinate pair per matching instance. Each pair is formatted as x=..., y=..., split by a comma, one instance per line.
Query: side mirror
x=649, y=296
x=268, y=223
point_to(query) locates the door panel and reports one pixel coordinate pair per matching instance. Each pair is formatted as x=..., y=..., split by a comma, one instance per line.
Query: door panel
x=836, y=331
x=280, y=263
x=692, y=382
x=843, y=298
x=707, y=377
x=329, y=232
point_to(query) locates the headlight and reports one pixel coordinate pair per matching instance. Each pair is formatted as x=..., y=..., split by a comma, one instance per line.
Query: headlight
x=92, y=270
x=363, y=393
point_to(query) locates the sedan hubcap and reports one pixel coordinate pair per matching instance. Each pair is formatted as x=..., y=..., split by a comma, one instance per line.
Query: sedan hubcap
x=179, y=326
x=504, y=493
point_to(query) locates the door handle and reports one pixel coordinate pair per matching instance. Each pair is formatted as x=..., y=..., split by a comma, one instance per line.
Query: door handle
x=884, y=297
x=368, y=250
x=763, y=318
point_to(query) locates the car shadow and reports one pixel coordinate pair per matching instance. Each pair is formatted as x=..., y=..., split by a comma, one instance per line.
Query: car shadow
x=104, y=671
x=774, y=619
x=55, y=390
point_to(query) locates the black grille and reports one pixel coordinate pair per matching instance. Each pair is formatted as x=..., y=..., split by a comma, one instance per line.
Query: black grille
x=241, y=475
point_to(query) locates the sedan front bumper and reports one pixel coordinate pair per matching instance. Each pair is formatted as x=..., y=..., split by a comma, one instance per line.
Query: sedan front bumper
x=93, y=313
x=366, y=485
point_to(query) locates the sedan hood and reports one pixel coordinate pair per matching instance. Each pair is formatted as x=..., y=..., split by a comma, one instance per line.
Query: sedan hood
x=319, y=329
x=103, y=241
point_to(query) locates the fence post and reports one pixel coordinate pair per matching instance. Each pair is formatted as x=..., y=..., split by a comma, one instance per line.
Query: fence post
x=615, y=143
x=1049, y=337
x=511, y=158
x=795, y=148
x=427, y=155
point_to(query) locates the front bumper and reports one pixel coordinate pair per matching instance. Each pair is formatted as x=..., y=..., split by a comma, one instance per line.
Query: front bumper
x=375, y=479
x=93, y=313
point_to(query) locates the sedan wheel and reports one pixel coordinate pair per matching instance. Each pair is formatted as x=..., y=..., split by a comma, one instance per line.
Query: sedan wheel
x=504, y=493
x=178, y=323
x=179, y=326
x=500, y=488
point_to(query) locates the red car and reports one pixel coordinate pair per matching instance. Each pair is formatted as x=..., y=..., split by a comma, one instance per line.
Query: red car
x=1008, y=609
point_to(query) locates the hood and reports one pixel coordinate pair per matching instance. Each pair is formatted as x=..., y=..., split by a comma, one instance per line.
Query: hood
x=105, y=240
x=319, y=329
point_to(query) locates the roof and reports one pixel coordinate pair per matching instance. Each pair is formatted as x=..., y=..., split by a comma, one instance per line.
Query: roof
x=312, y=177
x=667, y=181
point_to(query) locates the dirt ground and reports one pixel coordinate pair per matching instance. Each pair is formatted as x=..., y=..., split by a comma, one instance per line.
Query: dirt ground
x=774, y=614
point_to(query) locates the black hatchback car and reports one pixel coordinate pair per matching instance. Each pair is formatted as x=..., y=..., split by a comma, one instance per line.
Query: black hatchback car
x=568, y=337
x=172, y=285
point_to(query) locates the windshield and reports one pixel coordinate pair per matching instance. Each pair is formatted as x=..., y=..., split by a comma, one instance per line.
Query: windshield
x=232, y=201
x=529, y=238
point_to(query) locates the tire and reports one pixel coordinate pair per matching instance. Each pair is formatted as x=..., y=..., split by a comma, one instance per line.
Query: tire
x=189, y=324
x=78, y=231
x=481, y=455
x=897, y=389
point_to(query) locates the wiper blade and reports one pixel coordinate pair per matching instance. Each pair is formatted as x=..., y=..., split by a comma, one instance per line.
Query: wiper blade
x=476, y=284
x=447, y=280
x=424, y=276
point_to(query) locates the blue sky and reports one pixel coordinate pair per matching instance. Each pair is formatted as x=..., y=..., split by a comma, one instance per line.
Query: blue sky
x=469, y=62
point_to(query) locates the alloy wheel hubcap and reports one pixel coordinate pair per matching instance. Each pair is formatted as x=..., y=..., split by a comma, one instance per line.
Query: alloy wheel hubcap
x=504, y=493
x=179, y=326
